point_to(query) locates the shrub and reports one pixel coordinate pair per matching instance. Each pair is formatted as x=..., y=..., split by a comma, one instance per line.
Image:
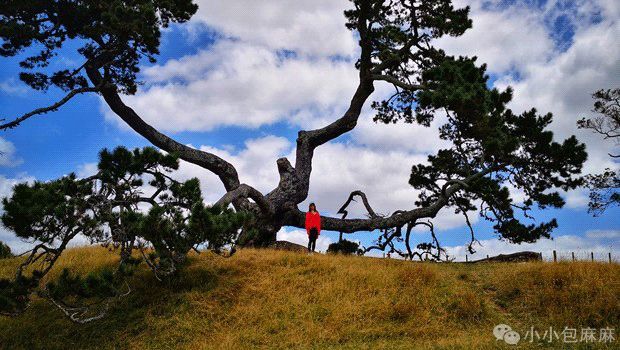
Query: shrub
x=132, y=203
x=5, y=251
x=344, y=247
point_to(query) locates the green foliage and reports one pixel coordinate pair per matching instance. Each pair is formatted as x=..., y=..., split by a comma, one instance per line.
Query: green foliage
x=5, y=251
x=99, y=284
x=393, y=28
x=50, y=211
x=15, y=294
x=109, y=208
x=115, y=33
x=492, y=149
x=344, y=247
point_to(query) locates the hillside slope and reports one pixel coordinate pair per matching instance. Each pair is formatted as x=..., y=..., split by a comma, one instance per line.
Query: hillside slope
x=275, y=299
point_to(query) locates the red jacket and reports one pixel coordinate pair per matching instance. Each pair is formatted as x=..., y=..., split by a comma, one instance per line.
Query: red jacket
x=313, y=220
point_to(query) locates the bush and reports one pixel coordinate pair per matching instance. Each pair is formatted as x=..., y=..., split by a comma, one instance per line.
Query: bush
x=111, y=208
x=5, y=251
x=344, y=247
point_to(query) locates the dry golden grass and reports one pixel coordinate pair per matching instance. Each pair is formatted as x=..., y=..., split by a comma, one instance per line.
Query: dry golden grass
x=275, y=299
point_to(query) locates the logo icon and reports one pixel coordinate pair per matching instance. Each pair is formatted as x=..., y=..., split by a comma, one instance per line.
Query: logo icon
x=504, y=332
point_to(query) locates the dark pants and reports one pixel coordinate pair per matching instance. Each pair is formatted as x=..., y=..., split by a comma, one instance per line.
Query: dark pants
x=314, y=234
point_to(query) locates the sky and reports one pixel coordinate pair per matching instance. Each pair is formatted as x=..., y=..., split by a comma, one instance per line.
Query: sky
x=243, y=77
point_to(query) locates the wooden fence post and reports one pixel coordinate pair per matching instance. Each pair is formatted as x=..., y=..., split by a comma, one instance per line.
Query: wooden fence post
x=573, y=254
x=466, y=260
x=592, y=256
x=609, y=254
x=555, y=256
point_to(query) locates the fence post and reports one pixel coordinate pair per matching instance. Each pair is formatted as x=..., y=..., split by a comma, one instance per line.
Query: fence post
x=555, y=256
x=592, y=256
x=541, y=258
x=573, y=254
x=466, y=260
x=609, y=254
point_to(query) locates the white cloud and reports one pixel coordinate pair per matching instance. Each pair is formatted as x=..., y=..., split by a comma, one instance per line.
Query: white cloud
x=564, y=86
x=383, y=175
x=504, y=40
x=13, y=87
x=399, y=136
x=603, y=234
x=7, y=154
x=563, y=245
x=6, y=189
x=86, y=170
x=300, y=237
x=310, y=27
x=240, y=84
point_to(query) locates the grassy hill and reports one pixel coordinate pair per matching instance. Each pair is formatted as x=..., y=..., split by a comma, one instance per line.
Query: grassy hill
x=276, y=299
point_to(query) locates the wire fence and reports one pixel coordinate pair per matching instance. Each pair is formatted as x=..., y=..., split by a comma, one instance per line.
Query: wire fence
x=566, y=256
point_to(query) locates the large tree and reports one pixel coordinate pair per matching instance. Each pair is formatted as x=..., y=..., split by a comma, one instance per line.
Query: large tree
x=492, y=148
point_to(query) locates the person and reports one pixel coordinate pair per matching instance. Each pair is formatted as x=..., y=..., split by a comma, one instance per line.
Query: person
x=313, y=226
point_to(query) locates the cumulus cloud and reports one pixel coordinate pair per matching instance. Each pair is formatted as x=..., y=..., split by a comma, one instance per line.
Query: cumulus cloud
x=603, y=234
x=383, y=175
x=300, y=237
x=564, y=86
x=505, y=40
x=400, y=136
x=239, y=84
x=309, y=27
x=8, y=156
x=563, y=245
x=6, y=189
x=86, y=170
x=13, y=87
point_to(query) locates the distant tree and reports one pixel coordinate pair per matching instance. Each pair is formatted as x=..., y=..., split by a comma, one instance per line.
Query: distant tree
x=491, y=149
x=131, y=203
x=605, y=187
x=344, y=247
x=5, y=251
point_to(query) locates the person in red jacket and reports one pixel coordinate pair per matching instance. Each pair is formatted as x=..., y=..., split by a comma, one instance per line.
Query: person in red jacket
x=313, y=226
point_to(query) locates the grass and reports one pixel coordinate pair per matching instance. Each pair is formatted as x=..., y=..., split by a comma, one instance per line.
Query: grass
x=274, y=299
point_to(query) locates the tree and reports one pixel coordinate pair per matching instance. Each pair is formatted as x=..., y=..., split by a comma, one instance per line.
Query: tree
x=491, y=146
x=110, y=208
x=605, y=187
x=5, y=251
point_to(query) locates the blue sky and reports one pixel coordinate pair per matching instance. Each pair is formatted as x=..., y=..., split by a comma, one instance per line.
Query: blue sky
x=242, y=87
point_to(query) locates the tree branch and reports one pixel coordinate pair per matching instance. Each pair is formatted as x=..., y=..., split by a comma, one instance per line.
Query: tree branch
x=224, y=170
x=343, y=209
x=246, y=191
x=14, y=123
x=391, y=79
x=399, y=218
x=307, y=141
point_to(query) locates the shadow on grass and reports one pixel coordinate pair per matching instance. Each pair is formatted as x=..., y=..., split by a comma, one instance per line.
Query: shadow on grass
x=151, y=306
